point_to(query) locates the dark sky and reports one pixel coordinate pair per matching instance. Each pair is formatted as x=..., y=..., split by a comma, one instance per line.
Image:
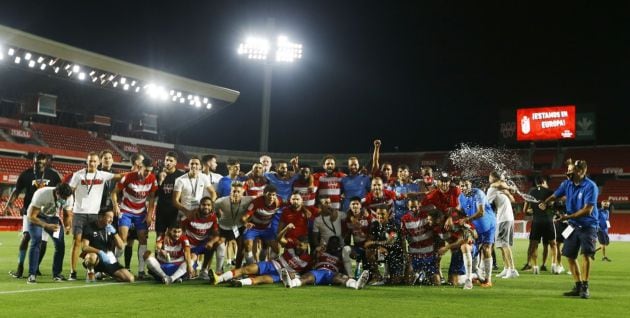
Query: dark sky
x=420, y=76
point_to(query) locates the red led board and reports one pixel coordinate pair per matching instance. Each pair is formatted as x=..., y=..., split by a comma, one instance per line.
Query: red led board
x=545, y=123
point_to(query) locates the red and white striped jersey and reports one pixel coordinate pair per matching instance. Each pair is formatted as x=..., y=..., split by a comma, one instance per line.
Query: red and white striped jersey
x=198, y=230
x=371, y=200
x=418, y=233
x=135, y=190
x=175, y=249
x=330, y=186
x=292, y=262
x=253, y=188
x=308, y=195
x=261, y=214
x=360, y=229
x=329, y=262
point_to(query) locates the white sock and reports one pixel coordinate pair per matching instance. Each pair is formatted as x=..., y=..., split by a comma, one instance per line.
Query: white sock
x=347, y=261
x=227, y=276
x=220, y=250
x=475, y=263
x=296, y=282
x=487, y=266
x=141, y=250
x=118, y=252
x=249, y=257
x=181, y=270
x=468, y=264
x=154, y=266
x=247, y=282
x=351, y=283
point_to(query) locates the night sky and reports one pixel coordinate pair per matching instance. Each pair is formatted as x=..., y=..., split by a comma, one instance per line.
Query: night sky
x=421, y=76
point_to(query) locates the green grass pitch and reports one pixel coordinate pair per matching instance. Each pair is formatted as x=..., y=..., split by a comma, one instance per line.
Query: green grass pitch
x=527, y=296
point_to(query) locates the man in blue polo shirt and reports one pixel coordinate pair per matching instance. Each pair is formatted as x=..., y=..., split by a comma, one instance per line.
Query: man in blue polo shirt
x=355, y=184
x=581, y=234
x=479, y=211
x=404, y=187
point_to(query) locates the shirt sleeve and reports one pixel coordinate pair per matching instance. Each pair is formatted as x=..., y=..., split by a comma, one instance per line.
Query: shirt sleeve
x=123, y=182
x=492, y=194
x=178, y=185
x=74, y=181
x=561, y=191
x=591, y=193
x=316, y=224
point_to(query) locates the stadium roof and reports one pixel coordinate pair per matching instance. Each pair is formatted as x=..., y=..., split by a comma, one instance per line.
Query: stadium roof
x=112, y=70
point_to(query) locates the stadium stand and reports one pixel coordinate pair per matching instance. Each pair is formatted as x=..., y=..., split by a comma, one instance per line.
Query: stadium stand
x=602, y=156
x=71, y=138
x=616, y=190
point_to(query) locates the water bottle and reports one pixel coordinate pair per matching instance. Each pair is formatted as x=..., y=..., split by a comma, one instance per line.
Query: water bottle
x=357, y=271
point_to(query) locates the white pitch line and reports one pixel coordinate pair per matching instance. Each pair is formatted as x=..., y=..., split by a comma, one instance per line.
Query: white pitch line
x=59, y=288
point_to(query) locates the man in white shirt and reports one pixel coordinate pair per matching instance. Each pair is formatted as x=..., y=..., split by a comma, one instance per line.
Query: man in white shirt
x=189, y=188
x=44, y=215
x=88, y=185
x=499, y=194
x=209, y=168
x=328, y=222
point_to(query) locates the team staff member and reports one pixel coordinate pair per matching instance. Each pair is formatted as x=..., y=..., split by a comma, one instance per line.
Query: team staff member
x=581, y=204
x=29, y=181
x=166, y=212
x=231, y=210
x=43, y=215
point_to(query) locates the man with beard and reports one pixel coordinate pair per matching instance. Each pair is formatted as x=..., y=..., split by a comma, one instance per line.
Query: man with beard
x=172, y=258
x=378, y=195
x=209, y=168
x=224, y=187
x=417, y=229
x=358, y=223
x=29, y=181
x=259, y=222
x=329, y=182
x=385, y=244
x=498, y=193
x=326, y=271
x=202, y=231
x=166, y=213
x=384, y=171
x=231, y=210
x=479, y=211
x=355, y=184
x=190, y=187
x=328, y=222
x=281, y=179
x=137, y=188
x=427, y=183
x=44, y=214
x=403, y=188
x=298, y=215
x=581, y=204
x=304, y=185
x=543, y=226
x=255, y=182
x=98, y=238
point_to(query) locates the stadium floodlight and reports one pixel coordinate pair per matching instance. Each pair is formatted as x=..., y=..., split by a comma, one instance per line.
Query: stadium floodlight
x=76, y=68
x=40, y=59
x=82, y=76
x=42, y=66
x=123, y=80
x=208, y=106
x=17, y=60
x=27, y=56
x=283, y=51
x=11, y=51
x=31, y=64
x=126, y=87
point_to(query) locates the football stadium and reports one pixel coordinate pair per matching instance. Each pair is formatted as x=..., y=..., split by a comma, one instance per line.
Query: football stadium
x=115, y=200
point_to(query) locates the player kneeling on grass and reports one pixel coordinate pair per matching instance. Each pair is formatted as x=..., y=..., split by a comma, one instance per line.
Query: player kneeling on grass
x=459, y=240
x=295, y=259
x=384, y=244
x=172, y=258
x=326, y=270
x=202, y=231
x=98, y=237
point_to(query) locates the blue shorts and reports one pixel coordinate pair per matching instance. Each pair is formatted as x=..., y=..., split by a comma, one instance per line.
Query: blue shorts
x=267, y=268
x=602, y=237
x=199, y=249
x=266, y=234
x=137, y=220
x=486, y=237
x=457, y=263
x=168, y=269
x=323, y=276
x=428, y=265
x=584, y=239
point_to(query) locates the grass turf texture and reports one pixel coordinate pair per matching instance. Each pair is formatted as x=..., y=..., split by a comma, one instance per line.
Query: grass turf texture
x=526, y=296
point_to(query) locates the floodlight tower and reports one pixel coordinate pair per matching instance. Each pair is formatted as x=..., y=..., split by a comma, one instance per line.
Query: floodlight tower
x=270, y=53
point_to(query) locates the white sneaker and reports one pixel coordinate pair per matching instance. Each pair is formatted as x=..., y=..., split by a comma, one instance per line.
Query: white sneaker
x=363, y=279
x=515, y=273
x=553, y=268
x=167, y=280
x=502, y=273
x=286, y=279
x=536, y=270
x=510, y=274
x=204, y=275
x=468, y=284
x=559, y=269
